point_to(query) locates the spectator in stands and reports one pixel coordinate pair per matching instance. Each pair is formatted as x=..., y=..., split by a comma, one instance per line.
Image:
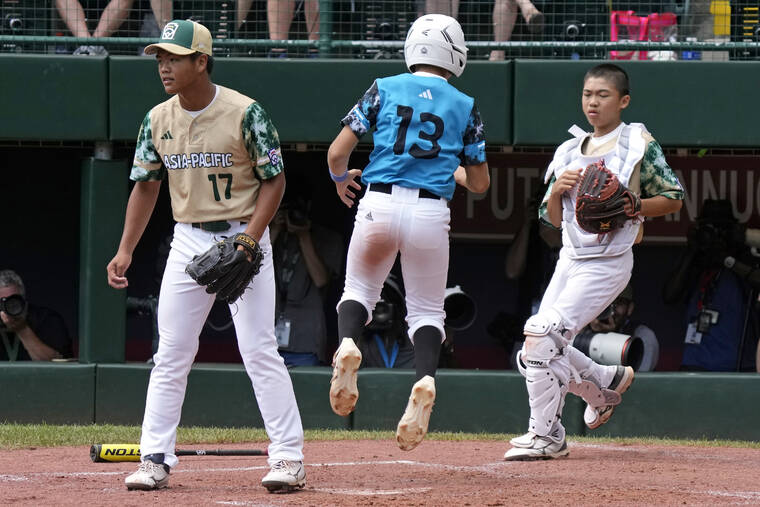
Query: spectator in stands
x=447, y=7
x=505, y=16
x=280, y=16
x=617, y=319
x=28, y=332
x=306, y=257
x=115, y=13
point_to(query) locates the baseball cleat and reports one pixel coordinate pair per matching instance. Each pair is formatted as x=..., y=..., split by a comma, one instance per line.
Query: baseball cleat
x=343, y=390
x=531, y=447
x=285, y=476
x=149, y=476
x=414, y=423
x=620, y=383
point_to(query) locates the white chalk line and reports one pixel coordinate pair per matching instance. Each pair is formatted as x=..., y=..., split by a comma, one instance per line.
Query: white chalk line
x=488, y=467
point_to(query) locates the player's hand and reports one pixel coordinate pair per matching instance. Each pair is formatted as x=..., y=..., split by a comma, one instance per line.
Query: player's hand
x=460, y=176
x=13, y=324
x=116, y=270
x=344, y=188
x=566, y=181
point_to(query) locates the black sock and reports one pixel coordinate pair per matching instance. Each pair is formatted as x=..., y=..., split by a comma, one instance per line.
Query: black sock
x=351, y=319
x=427, y=350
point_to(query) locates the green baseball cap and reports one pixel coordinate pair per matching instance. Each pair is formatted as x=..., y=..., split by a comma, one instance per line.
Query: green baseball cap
x=183, y=37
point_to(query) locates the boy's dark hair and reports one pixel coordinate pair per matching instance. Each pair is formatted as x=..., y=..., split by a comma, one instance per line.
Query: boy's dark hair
x=612, y=73
x=209, y=63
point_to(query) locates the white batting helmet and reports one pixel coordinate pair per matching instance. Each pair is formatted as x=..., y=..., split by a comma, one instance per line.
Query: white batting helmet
x=435, y=39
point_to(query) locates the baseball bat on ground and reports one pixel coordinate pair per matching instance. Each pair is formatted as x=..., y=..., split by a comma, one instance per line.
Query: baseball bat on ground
x=101, y=453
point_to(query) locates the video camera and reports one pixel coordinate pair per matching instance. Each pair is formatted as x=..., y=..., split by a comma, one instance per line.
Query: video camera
x=459, y=307
x=611, y=348
x=22, y=18
x=13, y=305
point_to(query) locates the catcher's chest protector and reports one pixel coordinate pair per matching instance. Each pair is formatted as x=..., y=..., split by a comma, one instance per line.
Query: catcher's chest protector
x=621, y=160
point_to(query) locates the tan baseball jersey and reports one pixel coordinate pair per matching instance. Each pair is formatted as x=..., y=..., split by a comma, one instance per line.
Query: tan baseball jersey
x=215, y=161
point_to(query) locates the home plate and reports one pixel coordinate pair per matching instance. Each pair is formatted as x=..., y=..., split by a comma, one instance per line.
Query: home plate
x=372, y=492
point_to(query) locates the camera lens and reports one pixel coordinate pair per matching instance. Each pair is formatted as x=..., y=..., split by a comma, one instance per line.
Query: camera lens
x=14, y=305
x=14, y=23
x=572, y=29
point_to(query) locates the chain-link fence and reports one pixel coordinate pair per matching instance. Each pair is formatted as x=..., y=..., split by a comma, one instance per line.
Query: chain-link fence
x=495, y=29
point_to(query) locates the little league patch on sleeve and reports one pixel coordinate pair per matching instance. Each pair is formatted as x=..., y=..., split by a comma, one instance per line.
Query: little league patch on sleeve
x=274, y=158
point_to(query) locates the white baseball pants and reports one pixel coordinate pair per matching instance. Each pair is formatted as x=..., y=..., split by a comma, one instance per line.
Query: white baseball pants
x=182, y=310
x=418, y=228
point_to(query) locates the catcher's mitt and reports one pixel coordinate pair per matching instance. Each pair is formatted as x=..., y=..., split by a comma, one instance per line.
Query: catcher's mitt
x=225, y=270
x=601, y=200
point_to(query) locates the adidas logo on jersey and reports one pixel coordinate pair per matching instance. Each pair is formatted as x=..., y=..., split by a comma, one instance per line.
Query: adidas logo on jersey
x=167, y=135
x=369, y=217
x=426, y=94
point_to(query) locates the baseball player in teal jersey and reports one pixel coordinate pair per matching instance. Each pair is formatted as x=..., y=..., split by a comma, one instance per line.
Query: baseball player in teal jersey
x=221, y=156
x=592, y=269
x=428, y=137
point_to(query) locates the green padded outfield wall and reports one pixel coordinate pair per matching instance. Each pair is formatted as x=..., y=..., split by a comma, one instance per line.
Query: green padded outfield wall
x=524, y=102
x=670, y=405
x=306, y=99
x=217, y=395
x=53, y=97
x=681, y=103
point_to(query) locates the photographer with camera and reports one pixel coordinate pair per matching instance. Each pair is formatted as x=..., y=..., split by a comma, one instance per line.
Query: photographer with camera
x=615, y=338
x=28, y=332
x=718, y=277
x=307, y=257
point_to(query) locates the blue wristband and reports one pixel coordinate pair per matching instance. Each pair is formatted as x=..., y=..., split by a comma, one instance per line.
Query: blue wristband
x=338, y=179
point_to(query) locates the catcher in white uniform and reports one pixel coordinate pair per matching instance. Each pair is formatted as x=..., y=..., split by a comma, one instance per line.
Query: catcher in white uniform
x=592, y=268
x=424, y=129
x=221, y=155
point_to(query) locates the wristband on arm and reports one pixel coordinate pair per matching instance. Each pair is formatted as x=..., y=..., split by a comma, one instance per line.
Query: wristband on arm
x=338, y=179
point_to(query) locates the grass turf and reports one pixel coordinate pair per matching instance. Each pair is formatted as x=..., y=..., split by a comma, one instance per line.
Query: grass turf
x=19, y=436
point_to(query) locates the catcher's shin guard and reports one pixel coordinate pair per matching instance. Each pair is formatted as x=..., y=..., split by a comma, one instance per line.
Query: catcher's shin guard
x=546, y=397
x=546, y=381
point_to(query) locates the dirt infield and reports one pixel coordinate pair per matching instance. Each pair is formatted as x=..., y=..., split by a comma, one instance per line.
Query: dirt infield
x=371, y=472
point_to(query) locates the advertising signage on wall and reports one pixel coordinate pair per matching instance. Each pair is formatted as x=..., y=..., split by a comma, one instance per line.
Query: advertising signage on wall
x=516, y=178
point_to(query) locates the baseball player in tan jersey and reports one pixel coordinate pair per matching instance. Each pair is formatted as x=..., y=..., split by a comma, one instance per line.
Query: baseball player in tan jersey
x=221, y=155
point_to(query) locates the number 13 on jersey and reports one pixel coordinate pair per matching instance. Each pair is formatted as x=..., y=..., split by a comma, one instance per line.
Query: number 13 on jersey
x=406, y=114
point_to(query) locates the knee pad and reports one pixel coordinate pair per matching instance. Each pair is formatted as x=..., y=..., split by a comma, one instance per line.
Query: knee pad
x=548, y=323
x=539, y=351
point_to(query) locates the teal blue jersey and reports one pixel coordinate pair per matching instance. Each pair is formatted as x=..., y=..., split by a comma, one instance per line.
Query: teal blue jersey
x=424, y=129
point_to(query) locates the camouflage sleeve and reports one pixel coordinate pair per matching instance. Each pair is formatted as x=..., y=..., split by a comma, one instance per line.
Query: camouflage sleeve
x=147, y=165
x=262, y=142
x=657, y=178
x=363, y=116
x=474, y=140
x=543, y=212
